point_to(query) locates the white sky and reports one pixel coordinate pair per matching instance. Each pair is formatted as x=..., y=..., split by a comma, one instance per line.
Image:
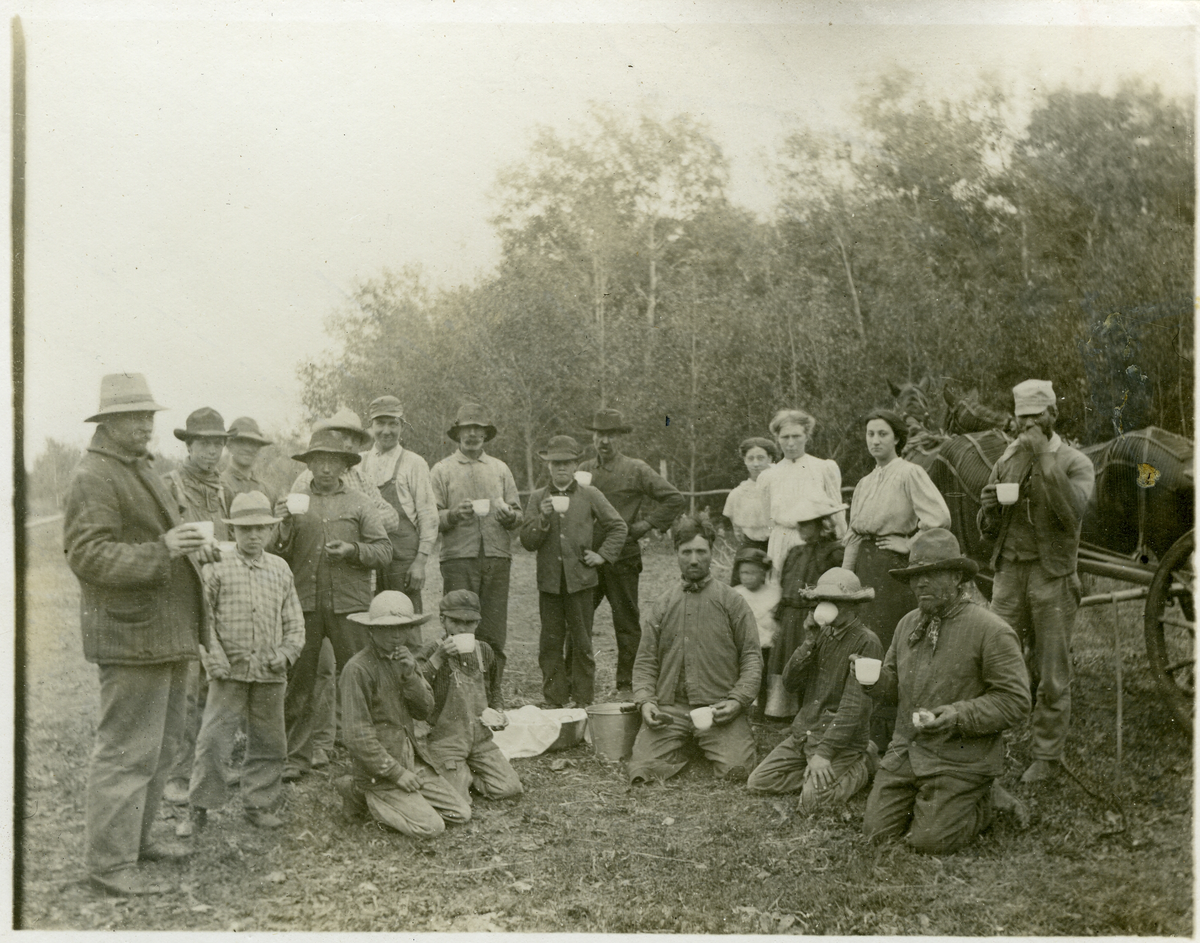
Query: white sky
x=204, y=188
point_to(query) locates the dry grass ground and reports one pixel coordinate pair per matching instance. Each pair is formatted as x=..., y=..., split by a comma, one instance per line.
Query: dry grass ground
x=583, y=852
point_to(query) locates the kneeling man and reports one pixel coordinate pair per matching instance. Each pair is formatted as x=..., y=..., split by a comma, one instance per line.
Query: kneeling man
x=826, y=756
x=699, y=648
x=957, y=673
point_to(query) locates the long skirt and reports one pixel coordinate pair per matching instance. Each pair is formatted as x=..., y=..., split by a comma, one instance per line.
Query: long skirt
x=893, y=600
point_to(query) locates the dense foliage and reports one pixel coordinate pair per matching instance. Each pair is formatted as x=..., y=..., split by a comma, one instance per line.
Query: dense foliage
x=938, y=242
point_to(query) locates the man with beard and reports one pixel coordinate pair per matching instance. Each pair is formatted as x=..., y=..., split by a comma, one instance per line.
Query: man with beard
x=1037, y=590
x=697, y=669
x=956, y=672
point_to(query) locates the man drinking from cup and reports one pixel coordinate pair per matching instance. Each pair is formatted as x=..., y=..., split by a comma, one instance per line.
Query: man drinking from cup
x=458, y=667
x=956, y=672
x=646, y=501
x=143, y=621
x=827, y=755
x=478, y=508
x=1032, y=507
x=331, y=547
x=699, y=649
x=563, y=522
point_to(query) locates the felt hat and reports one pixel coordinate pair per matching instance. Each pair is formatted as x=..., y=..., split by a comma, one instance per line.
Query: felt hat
x=472, y=414
x=561, y=448
x=246, y=429
x=330, y=441
x=1031, y=397
x=124, y=393
x=837, y=584
x=345, y=422
x=752, y=555
x=609, y=420
x=251, y=508
x=461, y=604
x=390, y=607
x=813, y=509
x=204, y=423
x=385, y=406
x=934, y=549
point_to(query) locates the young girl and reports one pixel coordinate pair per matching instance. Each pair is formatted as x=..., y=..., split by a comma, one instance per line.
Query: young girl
x=749, y=579
x=802, y=567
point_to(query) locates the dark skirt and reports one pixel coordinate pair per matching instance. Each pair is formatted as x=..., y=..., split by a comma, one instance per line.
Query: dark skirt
x=893, y=599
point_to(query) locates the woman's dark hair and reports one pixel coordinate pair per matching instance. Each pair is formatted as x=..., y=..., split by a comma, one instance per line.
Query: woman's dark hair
x=759, y=442
x=689, y=528
x=893, y=419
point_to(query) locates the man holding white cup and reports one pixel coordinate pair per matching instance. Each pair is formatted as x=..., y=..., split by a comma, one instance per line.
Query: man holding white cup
x=1036, y=533
x=827, y=755
x=478, y=509
x=956, y=672
x=699, y=649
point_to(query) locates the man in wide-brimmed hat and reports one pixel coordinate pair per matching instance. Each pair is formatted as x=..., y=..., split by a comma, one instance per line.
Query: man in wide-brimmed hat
x=402, y=478
x=142, y=616
x=646, y=501
x=245, y=442
x=826, y=757
x=478, y=509
x=332, y=548
x=1036, y=589
x=383, y=693
x=956, y=672
x=566, y=570
x=199, y=496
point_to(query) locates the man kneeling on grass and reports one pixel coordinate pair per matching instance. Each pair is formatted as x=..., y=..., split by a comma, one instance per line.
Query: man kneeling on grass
x=258, y=631
x=957, y=673
x=461, y=668
x=826, y=756
x=382, y=692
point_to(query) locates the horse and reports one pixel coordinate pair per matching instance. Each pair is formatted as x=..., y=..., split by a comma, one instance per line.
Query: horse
x=967, y=414
x=918, y=401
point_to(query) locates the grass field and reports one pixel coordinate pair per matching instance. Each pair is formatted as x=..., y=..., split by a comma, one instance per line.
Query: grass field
x=583, y=852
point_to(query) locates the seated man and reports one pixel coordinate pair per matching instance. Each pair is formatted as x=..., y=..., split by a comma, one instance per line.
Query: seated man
x=699, y=648
x=461, y=747
x=826, y=756
x=382, y=692
x=959, y=667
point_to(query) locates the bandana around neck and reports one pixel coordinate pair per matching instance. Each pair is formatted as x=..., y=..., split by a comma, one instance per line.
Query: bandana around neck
x=931, y=625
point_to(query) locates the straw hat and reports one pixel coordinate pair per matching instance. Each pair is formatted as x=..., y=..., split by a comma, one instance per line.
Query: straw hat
x=934, y=549
x=837, y=584
x=331, y=442
x=251, y=508
x=204, y=423
x=346, y=423
x=124, y=393
x=813, y=509
x=389, y=608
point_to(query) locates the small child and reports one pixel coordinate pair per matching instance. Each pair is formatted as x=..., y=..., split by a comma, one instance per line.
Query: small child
x=459, y=744
x=257, y=632
x=750, y=569
x=559, y=524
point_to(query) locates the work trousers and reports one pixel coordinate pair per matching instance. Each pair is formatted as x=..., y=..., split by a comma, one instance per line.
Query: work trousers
x=258, y=706
x=394, y=577
x=937, y=815
x=784, y=768
x=141, y=712
x=183, y=747
x=565, y=648
x=485, y=769
x=423, y=813
x=327, y=706
x=619, y=585
x=659, y=754
x=1041, y=608
x=300, y=713
x=487, y=578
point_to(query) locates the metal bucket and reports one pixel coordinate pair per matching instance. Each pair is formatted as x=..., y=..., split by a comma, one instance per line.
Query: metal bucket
x=612, y=729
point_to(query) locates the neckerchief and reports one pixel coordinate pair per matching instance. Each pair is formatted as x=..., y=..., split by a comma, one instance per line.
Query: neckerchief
x=203, y=485
x=931, y=625
x=694, y=586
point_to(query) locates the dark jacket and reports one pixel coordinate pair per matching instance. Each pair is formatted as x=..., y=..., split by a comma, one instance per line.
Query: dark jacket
x=638, y=493
x=561, y=539
x=137, y=605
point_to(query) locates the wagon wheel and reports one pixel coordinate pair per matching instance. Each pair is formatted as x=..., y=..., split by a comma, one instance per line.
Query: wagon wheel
x=1171, y=629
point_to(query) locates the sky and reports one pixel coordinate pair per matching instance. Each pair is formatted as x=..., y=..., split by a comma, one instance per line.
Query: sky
x=206, y=186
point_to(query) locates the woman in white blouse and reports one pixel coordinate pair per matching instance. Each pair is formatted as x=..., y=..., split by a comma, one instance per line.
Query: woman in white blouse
x=746, y=507
x=788, y=485
x=890, y=504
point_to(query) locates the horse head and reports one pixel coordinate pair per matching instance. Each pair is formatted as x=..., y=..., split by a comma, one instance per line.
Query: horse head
x=967, y=414
x=914, y=401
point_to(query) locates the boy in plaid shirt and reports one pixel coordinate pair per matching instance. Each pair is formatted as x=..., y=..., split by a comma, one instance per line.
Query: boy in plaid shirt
x=258, y=631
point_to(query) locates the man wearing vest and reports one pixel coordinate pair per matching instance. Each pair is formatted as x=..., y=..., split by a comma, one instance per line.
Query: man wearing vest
x=402, y=477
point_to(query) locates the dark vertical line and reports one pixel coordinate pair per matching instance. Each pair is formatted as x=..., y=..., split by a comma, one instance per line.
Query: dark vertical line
x=18, y=385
